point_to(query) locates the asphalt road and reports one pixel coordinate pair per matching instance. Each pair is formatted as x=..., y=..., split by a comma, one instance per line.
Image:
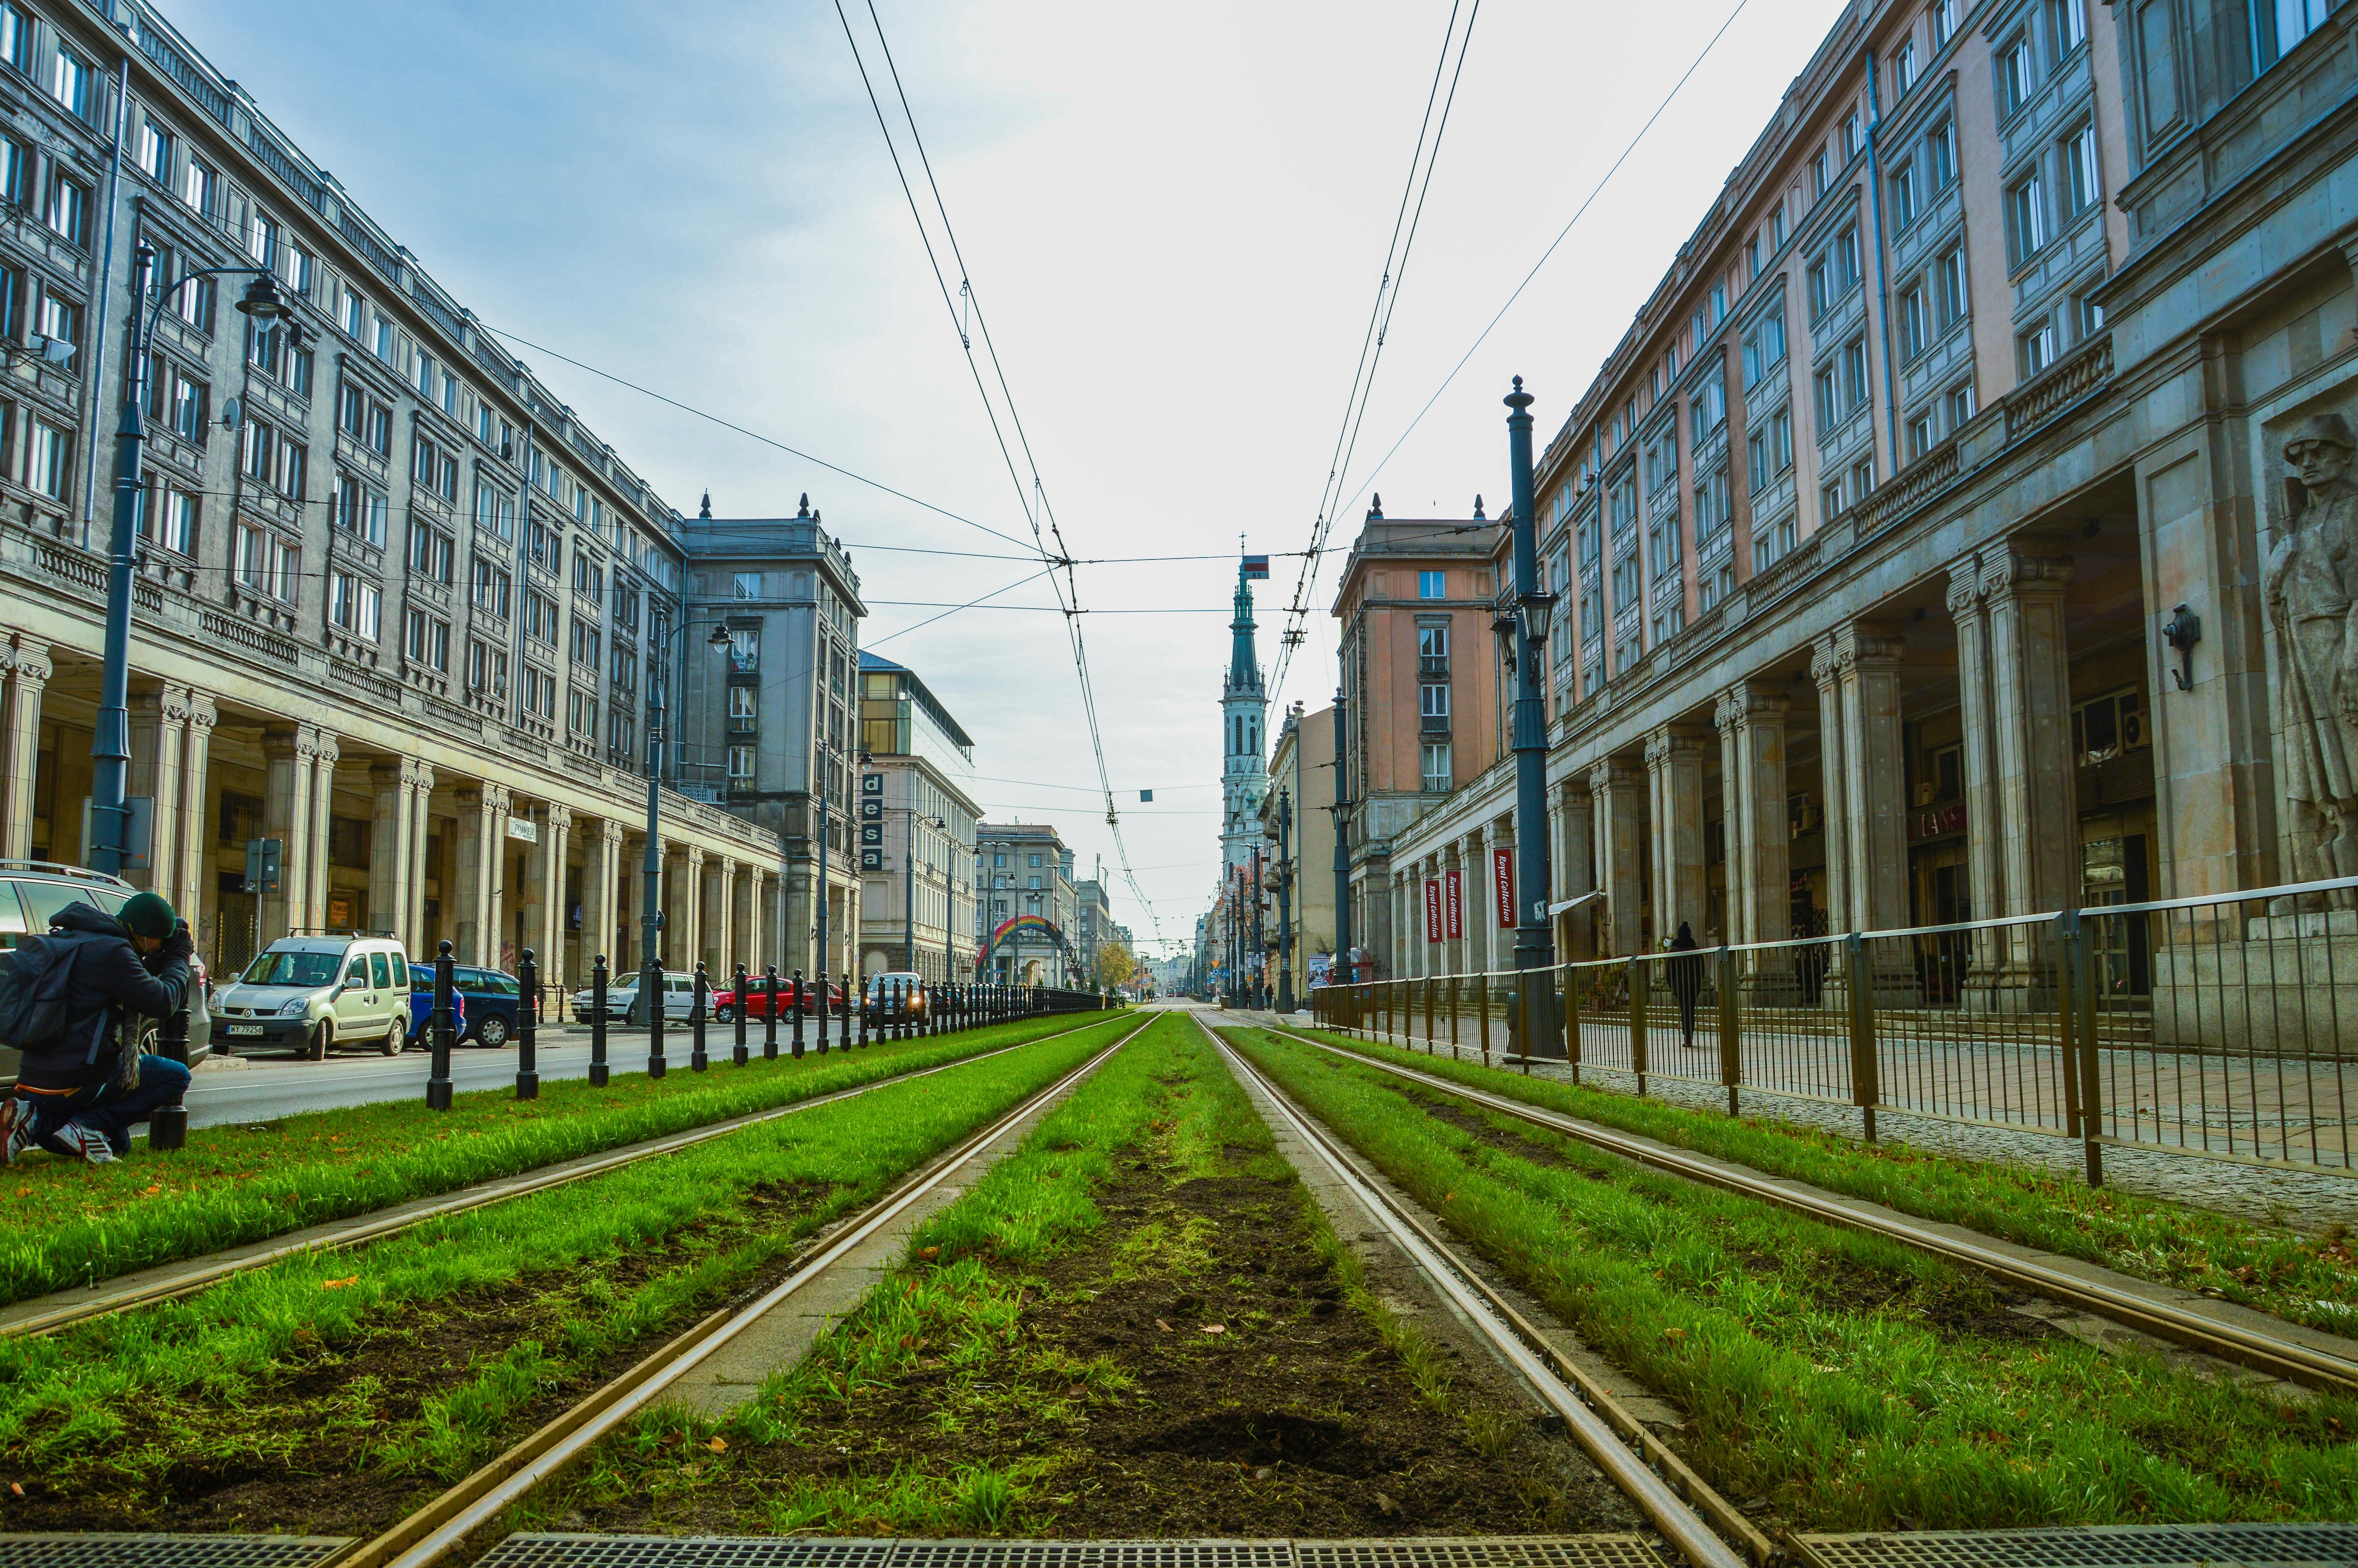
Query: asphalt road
x=264, y=1088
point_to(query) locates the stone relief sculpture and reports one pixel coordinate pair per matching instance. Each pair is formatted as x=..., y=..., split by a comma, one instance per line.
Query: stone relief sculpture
x=2311, y=592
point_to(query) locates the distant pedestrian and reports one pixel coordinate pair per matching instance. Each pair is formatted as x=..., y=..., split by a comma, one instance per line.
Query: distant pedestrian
x=78, y=1000
x=1686, y=979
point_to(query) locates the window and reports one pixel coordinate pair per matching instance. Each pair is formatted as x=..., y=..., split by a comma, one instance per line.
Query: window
x=744, y=650
x=1854, y=140
x=539, y=618
x=435, y=468
x=57, y=319
x=2013, y=83
x=495, y=509
x=741, y=705
x=49, y=460
x=365, y=419
x=200, y=187
x=2026, y=217
x=1903, y=195
x=1919, y=435
x=15, y=172
x=352, y=604
x=1432, y=585
x=70, y=83
x=582, y=719
x=295, y=267
x=1854, y=366
x=2081, y=188
x=1777, y=227
x=1709, y=407
x=1718, y=306
x=1663, y=457
x=1755, y=461
x=539, y=694
x=1712, y=513
x=1829, y=406
x=1948, y=278
x=1437, y=777
x=1942, y=146
x=585, y=643
x=621, y=738
x=1432, y=643
x=625, y=672
x=1903, y=69
x=68, y=214
x=155, y=151
x=292, y=467
x=427, y=641
x=487, y=668
x=1433, y=699
x=2277, y=27
x=1821, y=174
x=1829, y=499
x=385, y=342
x=1961, y=404
x=1915, y=327
x=2107, y=725
x=1862, y=479
x=360, y=512
x=262, y=238
x=266, y=563
x=1780, y=439
x=16, y=37
x=2067, y=25
x=589, y=577
x=1944, y=21
x=431, y=551
x=193, y=303
x=741, y=764
x=2039, y=348
x=748, y=585
x=491, y=588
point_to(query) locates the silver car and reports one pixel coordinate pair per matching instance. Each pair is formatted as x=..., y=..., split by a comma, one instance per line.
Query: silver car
x=312, y=993
x=679, y=997
x=31, y=894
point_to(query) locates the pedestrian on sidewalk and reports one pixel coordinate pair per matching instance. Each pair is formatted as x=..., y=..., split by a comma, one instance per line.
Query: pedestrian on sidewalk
x=1686, y=979
x=86, y=985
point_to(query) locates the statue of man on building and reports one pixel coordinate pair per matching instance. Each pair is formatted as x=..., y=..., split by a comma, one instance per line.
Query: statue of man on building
x=2311, y=592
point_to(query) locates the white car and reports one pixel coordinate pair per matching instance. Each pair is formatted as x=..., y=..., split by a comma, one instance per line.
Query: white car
x=623, y=991
x=313, y=992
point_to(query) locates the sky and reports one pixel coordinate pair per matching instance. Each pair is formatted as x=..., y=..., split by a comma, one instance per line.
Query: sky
x=1173, y=220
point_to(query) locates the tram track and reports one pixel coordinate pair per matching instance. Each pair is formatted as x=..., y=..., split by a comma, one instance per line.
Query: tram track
x=442, y=1528
x=1697, y=1522
x=2248, y=1346
x=171, y=1281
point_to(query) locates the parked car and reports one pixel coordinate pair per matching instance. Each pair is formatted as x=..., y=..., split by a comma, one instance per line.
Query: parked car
x=490, y=1004
x=893, y=995
x=679, y=997
x=757, y=1000
x=314, y=992
x=421, y=1013
x=31, y=894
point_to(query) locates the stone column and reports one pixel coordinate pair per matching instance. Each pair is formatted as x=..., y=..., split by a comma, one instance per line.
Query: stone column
x=28, y=673
x=2039, y=822
x=483, y=851
x=158, y=729
x=421, y=826
x=1615, y=789
x=548, y=860
x=193, y=881
x=1575, y=869
x=1681, y=888
x=1874, y=774
x=324, y=755
x=691, y=908
x=1751, y=722
x=393, y=857
x=601, y=843
x=1499, y=942
x=1978, y=753
x=287, y=752
x=1833, y=782
x=726, y=930
x=753, y=945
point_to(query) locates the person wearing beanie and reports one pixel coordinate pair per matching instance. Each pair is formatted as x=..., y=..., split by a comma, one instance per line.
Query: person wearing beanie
x=80, y=1091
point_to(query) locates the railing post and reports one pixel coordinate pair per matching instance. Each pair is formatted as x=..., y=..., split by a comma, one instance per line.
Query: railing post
x=599, y=1071
x=697, y=1060
x=1638, y=1041
x=860, y=1002
x=528, y=1027
x=438, y=1073
x=1730, y=1047
x=2080, y=1004
x=1427, y=988
x=769, y=1014
x=825, y=1012
x=167, y=1125
x=1572, y=1033
x=1456, y=995
x=801, y=1002
x=651, y=1002
x=739, y=1055
x=1865, y=1085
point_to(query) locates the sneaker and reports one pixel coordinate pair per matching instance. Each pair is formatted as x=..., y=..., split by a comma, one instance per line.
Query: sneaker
x=16, y=1128
x=87, y=1141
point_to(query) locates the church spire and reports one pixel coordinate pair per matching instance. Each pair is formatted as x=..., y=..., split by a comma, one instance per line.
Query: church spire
x=1244, y=663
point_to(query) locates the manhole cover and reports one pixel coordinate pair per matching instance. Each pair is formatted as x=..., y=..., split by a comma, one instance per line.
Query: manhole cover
x=168, y=1550
x=2096, y=1546
x=741, y=1551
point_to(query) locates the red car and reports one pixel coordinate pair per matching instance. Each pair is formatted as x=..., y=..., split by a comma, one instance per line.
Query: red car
x=757, y=1000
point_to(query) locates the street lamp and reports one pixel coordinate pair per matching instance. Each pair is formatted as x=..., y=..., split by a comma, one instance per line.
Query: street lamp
x=1534, y=941
x=110, y=747
x=909, y=886
x=828, y=750
x=1285, y=896
x=650, y=997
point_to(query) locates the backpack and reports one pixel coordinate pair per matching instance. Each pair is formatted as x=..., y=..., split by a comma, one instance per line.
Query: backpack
x=36, y=991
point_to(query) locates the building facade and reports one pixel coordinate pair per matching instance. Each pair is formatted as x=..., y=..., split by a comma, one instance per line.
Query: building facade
x=1302, y=775
x=1026, y=933
x=396, y=607
x=1942, y=535
x=917, y=821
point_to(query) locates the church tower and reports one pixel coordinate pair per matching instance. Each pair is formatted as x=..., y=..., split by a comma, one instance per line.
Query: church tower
x=1244, y=713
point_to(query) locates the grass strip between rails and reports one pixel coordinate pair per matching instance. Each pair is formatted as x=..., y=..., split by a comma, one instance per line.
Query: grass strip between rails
x=1849, y=1381
x=1013, y=1376
x=280, y=1388
x=71, y=1224
x=2311, y=1280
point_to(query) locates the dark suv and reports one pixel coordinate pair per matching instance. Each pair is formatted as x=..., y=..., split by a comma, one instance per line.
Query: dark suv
x=31, y=894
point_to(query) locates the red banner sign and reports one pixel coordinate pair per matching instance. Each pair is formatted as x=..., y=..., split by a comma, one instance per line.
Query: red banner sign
x=1452, y=903
x=1502, y=878
x=1432, y=910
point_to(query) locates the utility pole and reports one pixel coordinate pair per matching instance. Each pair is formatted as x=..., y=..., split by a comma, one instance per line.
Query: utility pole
x=1260, y=947
x=1285, y=895
x=1342, y=967
x=1534, y=938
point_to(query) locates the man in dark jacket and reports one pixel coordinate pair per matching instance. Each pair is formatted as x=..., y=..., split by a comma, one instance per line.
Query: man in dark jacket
x=1686, y=979
x=76, y=1095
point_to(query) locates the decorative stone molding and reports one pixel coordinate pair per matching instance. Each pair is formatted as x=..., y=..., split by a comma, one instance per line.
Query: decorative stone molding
x=2006, y=572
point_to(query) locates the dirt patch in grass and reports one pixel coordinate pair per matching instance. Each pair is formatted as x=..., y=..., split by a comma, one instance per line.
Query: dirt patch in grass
x=1190, y=1369
x=328, y=1444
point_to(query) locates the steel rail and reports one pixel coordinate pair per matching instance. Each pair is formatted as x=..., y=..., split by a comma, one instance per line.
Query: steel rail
x=1677, y=1501
x=443, y=1525
x=2289, y=1359
x=376, y=1226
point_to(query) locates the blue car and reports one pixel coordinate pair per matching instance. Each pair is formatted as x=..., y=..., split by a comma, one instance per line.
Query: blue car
x=487, y=1003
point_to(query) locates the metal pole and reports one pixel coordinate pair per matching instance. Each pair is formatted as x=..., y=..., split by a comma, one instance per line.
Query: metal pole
x=110, y=746
x=802, y=1002
x=528, y=1027
x=1285, y=895
x=1534, y=938
x=909, y=886
x=1260, y=946
x=697, y=1061
x=438, y=1079
x=650, y=1000
x=167, y=1125
x=1342, y=809
x=826, y=753
x=598, y=1069
x=770, y=1016
x=738, y=1054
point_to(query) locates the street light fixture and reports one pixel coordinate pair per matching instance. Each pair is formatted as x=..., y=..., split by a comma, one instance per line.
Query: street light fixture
x=110, y=747
x=649, y=1000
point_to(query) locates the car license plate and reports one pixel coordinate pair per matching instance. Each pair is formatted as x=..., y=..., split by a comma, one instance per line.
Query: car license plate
x=246, y=1029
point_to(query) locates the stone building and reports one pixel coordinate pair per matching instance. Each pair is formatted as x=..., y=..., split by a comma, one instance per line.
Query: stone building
x=1027, y=928
x=918, y=821
x=1943, y=539
x=395, y=605
x=1302, y=774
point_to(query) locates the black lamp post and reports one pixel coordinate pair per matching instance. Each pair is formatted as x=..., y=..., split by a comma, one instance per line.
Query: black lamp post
x=110, y=747
x=651, y=973
x=1285, y=898
x=1535, y=940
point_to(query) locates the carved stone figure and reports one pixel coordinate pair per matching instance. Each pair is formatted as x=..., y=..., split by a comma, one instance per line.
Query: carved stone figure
x=2311, y=591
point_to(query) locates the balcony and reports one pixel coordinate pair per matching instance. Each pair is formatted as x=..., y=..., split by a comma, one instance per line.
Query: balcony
x=1433, y=668
x=1433, y=724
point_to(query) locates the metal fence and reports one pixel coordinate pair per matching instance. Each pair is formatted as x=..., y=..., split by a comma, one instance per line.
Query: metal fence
x=2220, y=1026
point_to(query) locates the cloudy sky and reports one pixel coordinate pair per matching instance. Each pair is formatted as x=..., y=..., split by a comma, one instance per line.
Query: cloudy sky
x=1174, y=219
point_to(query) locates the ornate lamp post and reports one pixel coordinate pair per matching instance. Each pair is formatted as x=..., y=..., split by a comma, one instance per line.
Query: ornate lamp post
x=1534, y=938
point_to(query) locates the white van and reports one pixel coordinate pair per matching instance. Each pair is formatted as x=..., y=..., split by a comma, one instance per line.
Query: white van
x=314, y=992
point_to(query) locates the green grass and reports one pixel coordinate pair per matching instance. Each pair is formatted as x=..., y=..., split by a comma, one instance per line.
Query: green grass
x=1849, y=1381
x=2309, y=1279
x=71, y=1224
x=207, y=1380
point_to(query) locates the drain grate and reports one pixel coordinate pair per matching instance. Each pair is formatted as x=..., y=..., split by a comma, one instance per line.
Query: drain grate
x=2096, y=1546
x=739, y=1552
x=168, y=1550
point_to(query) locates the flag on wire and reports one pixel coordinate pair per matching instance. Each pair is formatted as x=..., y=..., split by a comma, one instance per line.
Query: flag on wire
x=1256, y=566
x=1145, y=795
